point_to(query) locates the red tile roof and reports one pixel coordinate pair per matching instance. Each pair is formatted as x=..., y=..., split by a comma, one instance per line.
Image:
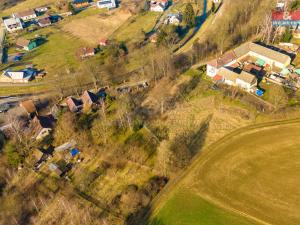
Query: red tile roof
x=218, y=78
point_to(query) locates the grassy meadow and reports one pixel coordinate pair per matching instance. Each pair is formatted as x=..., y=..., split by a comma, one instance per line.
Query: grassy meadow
x=250, y=175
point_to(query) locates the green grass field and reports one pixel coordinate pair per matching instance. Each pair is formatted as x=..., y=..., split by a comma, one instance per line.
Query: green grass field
x=132, y=30
x=246, y=177
x=186, y=208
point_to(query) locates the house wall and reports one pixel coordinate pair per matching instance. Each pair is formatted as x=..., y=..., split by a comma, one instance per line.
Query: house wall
x=229, y=82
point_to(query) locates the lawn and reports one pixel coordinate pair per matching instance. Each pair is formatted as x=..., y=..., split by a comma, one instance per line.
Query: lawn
x=186, y=208
x=58, y=53
x=252, y=172
x=132, y=30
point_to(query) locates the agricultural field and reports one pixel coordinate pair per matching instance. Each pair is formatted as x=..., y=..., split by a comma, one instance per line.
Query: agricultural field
x=249, y=176
x=92, y=28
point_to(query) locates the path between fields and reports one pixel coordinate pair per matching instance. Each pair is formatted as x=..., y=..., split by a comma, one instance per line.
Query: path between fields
x=173, y=185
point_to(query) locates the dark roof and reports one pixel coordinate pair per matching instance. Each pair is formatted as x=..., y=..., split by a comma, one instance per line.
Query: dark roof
x=80, y=1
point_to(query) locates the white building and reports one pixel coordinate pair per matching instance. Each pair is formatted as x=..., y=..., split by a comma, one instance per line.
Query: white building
x=174, y=19
x=23, y=76
x=13, y=24
x=225, y=60
x=25, y=15
x=109, y=4
x=158, y=5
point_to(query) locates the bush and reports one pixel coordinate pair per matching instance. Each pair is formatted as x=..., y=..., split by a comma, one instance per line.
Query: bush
x=13, y=156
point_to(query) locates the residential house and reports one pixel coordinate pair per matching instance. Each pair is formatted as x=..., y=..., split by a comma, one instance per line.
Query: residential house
x=158, y=5
x=89, y=99
x=44, y=22
x=29, y=107
x=225, y=60
x=79, y=4
x=174, y=18
x=13, y=24
x=103, y=42
x=109, y=4
x=74, y=104
x=41, y=126
x=246, y=80
x=25, y=15
x=22, y=76
x=25, y=44
x=86, y=52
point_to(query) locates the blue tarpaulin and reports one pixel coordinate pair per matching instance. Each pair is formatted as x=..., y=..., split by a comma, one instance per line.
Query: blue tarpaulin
x=259, y=92
x=74, y=152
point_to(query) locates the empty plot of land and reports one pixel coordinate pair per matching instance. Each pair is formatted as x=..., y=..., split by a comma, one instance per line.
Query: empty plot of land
x=254, y=175
x=94, y=27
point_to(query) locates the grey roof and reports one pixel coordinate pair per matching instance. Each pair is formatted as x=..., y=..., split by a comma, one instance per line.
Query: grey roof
x=228, y=74
x=244, y=49
x=247, y=77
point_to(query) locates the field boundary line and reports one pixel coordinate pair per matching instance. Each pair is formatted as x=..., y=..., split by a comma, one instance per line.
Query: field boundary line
x=173, y=185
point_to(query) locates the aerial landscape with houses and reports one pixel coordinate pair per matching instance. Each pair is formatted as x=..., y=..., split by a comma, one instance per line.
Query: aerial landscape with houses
x=149, y=112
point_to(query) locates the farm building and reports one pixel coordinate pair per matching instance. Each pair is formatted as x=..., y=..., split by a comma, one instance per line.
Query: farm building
x=25, y=44
x=25, y=15
x=263, y=56
x=158, y=5
x=13, y=24
x=109, y=4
